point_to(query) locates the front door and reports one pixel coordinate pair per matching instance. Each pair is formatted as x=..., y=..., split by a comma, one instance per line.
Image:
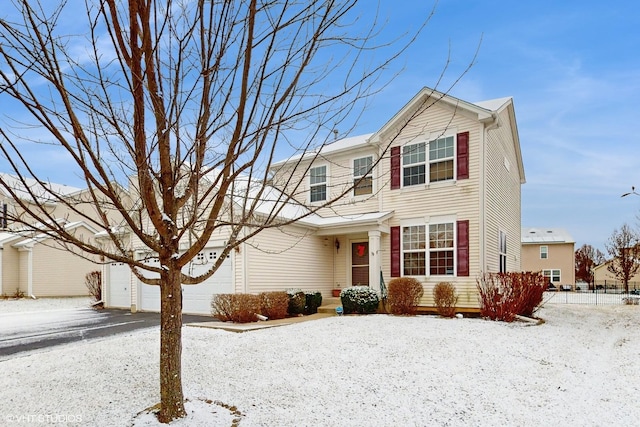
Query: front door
x=360, y=264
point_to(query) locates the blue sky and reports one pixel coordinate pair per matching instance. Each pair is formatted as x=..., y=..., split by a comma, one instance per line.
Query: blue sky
x=573, y=70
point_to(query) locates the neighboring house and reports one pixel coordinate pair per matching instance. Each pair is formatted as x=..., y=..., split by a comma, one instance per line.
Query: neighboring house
x=32, y=263
x=604, y=279
x=552, y=251
x=442, y=203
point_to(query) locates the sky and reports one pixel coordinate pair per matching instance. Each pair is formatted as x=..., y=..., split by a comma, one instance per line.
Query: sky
x=573, y=70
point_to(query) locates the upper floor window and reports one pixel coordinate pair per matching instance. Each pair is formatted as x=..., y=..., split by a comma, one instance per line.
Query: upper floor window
x=502, y=247
x=544, y=252
x=414, y=166
x=440, y=161
x=362, y=172
x=441, y=152
x=318, y=184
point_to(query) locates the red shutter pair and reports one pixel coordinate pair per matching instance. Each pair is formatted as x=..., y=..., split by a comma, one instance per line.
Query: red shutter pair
x=462, y=249
x=462, y=160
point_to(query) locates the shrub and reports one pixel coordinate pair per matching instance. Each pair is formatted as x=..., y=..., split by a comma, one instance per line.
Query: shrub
x=445, y=298
x=93, y=282
x=505, y=295
x=359, y=299
x=313, y=300
x=404, y=294
x=239, y=308
x=297, y=301
x=274, y=305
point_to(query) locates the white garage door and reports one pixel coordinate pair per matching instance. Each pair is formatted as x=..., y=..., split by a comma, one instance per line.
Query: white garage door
x=119, y=281
x=196, y=299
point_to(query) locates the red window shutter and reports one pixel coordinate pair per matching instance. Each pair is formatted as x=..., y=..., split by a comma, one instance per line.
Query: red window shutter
x=395, y=251
x=463, y=155
x=395, y=168
x=463, y=248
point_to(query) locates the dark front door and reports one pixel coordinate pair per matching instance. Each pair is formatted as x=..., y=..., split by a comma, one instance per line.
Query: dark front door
x=360, y=263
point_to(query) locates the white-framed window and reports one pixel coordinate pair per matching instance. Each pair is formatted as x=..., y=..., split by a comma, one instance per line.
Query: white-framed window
x=441, y=152
x=551, y=275
x=414, y=246
x=362, y=172
x=428, y=249
x=441, y=249
x=544, y=252
x=318, y=184
x=420, y=168
x=502, y=249
x=413, y=164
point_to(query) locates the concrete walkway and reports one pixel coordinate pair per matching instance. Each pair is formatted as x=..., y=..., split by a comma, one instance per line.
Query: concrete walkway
x=246, y=327
x=327, y=309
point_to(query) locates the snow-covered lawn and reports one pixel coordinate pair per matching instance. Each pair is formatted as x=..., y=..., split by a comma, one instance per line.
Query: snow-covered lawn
x=42, y=304
x=580, y=368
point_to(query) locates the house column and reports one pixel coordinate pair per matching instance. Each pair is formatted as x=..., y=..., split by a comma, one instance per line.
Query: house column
x=28, y=250
x=374, y=260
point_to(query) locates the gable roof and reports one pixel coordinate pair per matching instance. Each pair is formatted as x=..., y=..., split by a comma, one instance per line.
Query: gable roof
x=30, y=242
x=31, y=189
x=533, y=235
x=344, y=144
x=486, y=112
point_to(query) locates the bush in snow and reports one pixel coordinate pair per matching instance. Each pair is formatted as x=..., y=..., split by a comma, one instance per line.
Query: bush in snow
x=404, y=295
x=239, y=308
x=505, y=295
x=445, y=298
x=297, y=301
x=313, y=300
x=93, y=282
x=359, y=299
x=274, y=305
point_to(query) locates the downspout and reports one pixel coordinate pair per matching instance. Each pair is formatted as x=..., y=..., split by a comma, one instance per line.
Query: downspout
x=490, y=125
x=245, y=279
x=1, y=269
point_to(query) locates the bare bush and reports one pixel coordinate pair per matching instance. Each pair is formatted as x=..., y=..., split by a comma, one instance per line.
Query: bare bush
x=445, y=298
x=93, y=282
x=237, y=308
x=503, y=296
x=274, y=305
x=404, y=295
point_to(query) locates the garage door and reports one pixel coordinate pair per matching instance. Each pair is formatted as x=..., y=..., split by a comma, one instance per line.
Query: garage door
x=196, y=299
x=119, y=281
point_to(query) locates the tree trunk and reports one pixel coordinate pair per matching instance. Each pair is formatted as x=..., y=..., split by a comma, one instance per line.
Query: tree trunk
x=171, y=397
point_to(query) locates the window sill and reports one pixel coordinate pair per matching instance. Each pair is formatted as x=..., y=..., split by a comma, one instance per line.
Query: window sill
x=434, y=185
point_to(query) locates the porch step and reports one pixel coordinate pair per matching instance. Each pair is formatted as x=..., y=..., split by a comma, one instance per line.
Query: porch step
x=329, y=305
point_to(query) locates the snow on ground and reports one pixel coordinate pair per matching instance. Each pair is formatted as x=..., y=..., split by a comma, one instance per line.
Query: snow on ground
x=580, y=368
x=12, y=305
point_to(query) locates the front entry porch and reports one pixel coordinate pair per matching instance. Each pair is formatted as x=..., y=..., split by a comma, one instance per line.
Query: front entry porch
x=357, y=249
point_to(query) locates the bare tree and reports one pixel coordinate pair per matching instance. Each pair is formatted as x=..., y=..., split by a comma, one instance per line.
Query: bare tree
x=586, y=258
x=624, y=248
x=191, y=100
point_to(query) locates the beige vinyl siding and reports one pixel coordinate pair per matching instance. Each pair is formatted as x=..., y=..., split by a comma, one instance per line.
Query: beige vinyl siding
x=561, y=257
x=289, y=258
x=459, y=199
x=502, y=196
x=57, y=272
x=339, y=179
x=10, y=270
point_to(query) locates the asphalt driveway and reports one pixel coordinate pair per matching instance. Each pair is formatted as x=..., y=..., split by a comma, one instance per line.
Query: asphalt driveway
x=28, y=331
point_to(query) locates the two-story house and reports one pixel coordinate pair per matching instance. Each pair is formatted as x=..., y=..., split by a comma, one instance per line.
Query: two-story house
x=31, y=262
x=437, y=197
x=551, y=251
